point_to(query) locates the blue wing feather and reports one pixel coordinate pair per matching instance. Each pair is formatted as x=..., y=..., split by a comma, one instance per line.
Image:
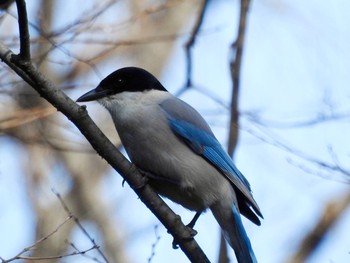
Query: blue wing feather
x=207, y=145
x=189, y=125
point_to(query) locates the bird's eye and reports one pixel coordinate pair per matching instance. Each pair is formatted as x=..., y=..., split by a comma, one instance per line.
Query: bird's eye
x=120, y=82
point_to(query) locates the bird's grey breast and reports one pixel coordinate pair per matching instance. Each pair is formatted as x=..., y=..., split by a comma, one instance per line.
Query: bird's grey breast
x=142, y=126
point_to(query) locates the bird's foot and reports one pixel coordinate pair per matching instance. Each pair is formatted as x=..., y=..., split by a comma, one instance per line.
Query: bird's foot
x=192, y=232
x=144, y=180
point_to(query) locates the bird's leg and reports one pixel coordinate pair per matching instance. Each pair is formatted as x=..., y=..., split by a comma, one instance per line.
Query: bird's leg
x=194, y=220
x=190, y=227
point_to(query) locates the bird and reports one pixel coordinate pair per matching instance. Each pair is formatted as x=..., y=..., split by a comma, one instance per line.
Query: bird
x=174, y=147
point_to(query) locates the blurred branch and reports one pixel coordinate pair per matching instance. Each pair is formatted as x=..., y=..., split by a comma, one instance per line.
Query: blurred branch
x=318, y=119
x=332, y=212
x=153, y=253
x=86, y=18
x=25, y=116
x=79, y=116
x=235, y=68
x=5, y=4
x=191, y=41
x=333, y=166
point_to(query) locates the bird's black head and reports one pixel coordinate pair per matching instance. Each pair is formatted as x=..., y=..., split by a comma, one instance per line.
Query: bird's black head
x=130, y=79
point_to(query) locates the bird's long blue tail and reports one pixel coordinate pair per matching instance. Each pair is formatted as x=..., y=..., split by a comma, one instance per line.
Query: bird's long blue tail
x=234, y=232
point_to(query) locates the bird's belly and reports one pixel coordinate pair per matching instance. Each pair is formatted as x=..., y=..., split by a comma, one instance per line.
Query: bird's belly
x=177, y=172
x=199, y=184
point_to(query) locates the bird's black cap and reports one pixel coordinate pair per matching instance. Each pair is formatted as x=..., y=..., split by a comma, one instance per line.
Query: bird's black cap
x=130, y=79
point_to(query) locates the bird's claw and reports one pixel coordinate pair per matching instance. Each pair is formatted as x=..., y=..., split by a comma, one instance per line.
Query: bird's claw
x=141, y=183
x=193, y=233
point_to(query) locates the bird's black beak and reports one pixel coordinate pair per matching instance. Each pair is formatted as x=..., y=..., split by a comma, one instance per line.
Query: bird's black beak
x=94, y=94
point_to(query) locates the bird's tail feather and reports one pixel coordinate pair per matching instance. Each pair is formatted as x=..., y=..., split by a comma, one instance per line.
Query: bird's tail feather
x=234, y=232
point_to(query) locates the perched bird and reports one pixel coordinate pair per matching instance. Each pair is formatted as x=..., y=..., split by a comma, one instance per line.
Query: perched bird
x=172, y=144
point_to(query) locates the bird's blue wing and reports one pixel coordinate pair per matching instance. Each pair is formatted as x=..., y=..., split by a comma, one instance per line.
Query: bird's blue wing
x=189, y=125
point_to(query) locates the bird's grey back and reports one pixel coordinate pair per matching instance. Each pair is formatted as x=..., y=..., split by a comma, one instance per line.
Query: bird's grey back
x=180, y=110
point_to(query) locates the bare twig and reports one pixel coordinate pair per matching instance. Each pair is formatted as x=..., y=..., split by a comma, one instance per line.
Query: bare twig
x=191, y=41
x=77, y=222
x=271, y=139
x=19, y=255
x=53, y=257
x=153, y=253
x=320, y=118
x=83, y=253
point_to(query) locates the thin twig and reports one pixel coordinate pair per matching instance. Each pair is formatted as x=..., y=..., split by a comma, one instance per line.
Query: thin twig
x=270, y=138
x=319, y=118
x=59, y=256
x=189, y=44
x=83, y=253
x=153, y=252
x=77, y=222
x=19, y=255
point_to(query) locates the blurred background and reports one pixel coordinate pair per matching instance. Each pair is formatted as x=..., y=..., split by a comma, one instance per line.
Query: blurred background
x=293, y=144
